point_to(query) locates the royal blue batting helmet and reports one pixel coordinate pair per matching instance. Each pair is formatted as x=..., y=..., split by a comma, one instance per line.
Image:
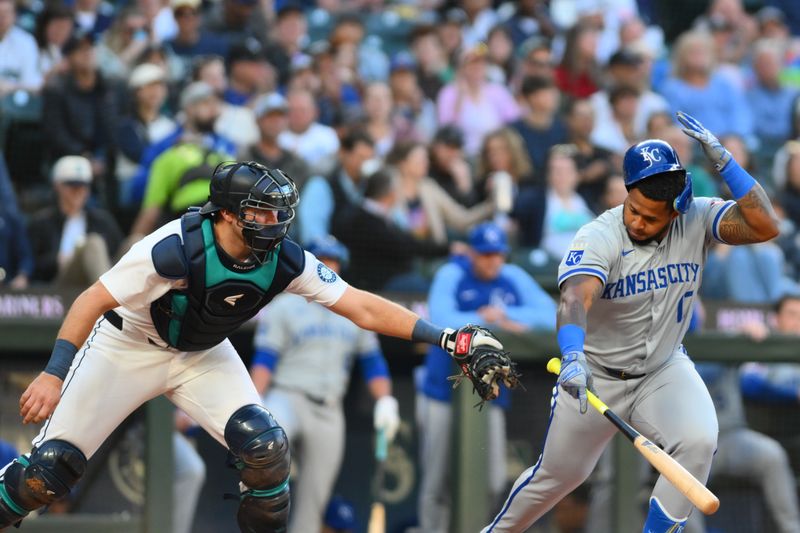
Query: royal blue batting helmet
x=328, y=247
x=652, y=157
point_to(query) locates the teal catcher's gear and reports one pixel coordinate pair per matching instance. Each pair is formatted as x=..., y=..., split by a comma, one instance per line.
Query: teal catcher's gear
x=218, y=299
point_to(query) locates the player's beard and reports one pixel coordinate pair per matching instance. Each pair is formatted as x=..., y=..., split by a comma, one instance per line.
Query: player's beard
x=657, y=237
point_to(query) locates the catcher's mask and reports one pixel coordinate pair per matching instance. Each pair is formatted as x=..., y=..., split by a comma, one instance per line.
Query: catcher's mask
x=247, y=188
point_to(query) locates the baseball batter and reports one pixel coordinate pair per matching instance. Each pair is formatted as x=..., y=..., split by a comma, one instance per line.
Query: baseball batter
x=628, y=284
x=302, y=365
x=157, y=323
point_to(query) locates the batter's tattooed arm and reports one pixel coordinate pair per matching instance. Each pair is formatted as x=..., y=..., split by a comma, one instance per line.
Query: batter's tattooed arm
x=751, y=220
x=578, y=293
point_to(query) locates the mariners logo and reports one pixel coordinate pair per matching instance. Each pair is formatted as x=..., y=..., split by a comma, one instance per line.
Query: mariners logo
x=651, y=155
x=574, y=257
x=326, y=274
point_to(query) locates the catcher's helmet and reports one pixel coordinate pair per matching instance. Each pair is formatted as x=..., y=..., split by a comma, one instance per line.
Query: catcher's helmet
x=330, y=248
x=247, y=186
x=652, y=157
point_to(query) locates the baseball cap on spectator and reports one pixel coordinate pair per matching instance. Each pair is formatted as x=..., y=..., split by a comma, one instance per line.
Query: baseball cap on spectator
x=76, y=40
x=72, y=170
x=196, y=92
x=488, y=238
x=450, y=135
x=402, y=61
x=177, y=4
x=625, y=57
x=455, y=15
x=340, y=514
x=270, y=103
x=248, y=50
x=145, y=74
x=289, y=8
x=531, y=44
x=471, y=53
x=771, y=14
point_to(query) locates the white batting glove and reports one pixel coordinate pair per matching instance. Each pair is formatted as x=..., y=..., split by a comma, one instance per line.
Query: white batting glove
x=387, y=416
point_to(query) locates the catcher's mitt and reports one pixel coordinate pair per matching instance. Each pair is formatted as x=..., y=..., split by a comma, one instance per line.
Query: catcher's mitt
x=482, y=360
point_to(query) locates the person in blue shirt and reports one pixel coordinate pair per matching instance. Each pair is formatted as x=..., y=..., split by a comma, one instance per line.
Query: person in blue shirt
x=483, y=289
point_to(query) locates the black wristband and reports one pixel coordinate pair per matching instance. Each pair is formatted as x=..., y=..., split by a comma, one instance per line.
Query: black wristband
x=61, y=358
x=424, y=331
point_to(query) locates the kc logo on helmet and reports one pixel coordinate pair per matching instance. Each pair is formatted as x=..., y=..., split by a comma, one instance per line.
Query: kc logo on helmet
x=651, y=155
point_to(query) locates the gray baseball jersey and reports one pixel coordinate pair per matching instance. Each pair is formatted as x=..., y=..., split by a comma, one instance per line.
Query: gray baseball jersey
x=643, y=313
x=315, y=346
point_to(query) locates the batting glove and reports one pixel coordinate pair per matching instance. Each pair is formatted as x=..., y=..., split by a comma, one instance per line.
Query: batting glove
x=575, y=377
x=715, y=152
x=387, y=416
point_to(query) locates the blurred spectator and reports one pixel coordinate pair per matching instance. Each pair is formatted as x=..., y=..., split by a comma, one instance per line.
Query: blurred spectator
x=614, y=194
x=658, y=123
x=315, y=143
x=449, y=168
x=160, y=21
x=762, y=265
x=474, y=104
x=7, y=452
x=414, y=114
x=433, y=70
x=451, y=33
x=80, y=107
x=287, y=39
x=249, y=74
x=270, y=111
x=16, y=256
x=482, y=289
x=339, y=193
x=702, y=182
x=425, y=209
x=378, y=123
x=236, y=20
x=480, y=19
x=530, y=18
x=142, y=124
x=348, y=35
x=535, y=60
x=500, y=55
x=565, y=211
x=201, y=109
x=594, y=163
x=340, y=516
x=503, y=151
x=382, y=253
x=578, y=75
x=190, y=42
x=72, y=241
x=790, y=195
x=53, y=28
x=626, y=68
x=697, y=89
x=93, y=17
x=540, y=126
x=769, y=101
x=617, y=132
x=123, y=43
x=19, y=54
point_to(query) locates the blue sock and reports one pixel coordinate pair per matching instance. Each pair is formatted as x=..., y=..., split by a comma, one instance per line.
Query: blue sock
x=658, y=521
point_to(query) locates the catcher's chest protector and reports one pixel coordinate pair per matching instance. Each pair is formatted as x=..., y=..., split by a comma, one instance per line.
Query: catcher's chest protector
x=218, y=299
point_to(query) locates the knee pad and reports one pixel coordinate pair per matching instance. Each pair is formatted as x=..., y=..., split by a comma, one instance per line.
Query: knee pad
x=47, y=475
x=260, y=452
x=659, y=521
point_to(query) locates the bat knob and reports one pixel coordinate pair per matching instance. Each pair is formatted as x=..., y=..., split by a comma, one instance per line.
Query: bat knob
x=554, y=365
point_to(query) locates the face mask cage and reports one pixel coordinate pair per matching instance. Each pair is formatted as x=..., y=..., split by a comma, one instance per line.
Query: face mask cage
x=281, y=199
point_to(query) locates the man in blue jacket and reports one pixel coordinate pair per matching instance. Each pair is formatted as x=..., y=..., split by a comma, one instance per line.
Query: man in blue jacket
x=482, y=289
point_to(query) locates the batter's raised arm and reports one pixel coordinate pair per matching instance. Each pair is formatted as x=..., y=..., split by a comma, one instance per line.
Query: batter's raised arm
x=42, y=395
x=752, y=219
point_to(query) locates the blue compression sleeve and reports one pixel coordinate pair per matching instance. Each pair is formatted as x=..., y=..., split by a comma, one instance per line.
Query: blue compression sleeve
x=61, y=358
x=373, y=365
x=266, y=358
x=570, y=338
x=738, y=179
x=424, y=331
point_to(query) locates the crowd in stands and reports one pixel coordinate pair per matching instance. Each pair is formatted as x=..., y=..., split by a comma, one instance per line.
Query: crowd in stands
x=404, y=124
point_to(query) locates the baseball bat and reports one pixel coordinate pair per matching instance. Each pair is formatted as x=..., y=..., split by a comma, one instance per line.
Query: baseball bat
x=681, y=479
x=377, y=514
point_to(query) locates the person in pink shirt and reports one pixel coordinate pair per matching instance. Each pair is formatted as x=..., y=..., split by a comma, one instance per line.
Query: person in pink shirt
x=474, y=104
